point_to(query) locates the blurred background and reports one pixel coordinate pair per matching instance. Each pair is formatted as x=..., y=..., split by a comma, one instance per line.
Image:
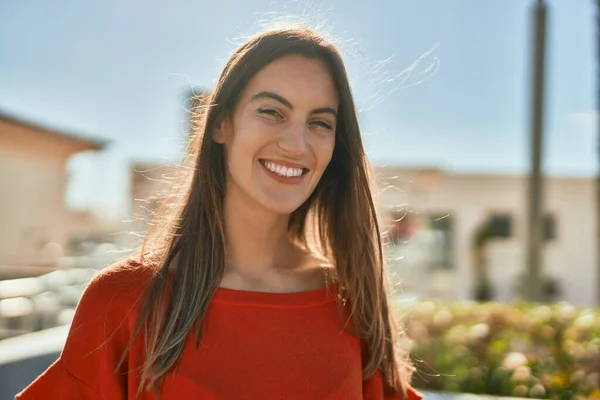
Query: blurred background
x=480, y=119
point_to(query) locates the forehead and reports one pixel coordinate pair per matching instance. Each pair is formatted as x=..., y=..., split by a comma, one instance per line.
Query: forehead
x=301, y=80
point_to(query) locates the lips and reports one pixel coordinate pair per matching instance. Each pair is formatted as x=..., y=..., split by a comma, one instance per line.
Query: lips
x=284, y=169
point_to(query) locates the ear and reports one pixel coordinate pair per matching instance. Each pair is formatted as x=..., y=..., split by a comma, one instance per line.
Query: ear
x=221, y=131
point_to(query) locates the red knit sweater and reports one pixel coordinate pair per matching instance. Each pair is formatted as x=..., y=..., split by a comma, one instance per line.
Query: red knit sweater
x=255, y=346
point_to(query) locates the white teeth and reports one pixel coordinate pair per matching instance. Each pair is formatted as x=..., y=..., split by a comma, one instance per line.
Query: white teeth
x=283, y=171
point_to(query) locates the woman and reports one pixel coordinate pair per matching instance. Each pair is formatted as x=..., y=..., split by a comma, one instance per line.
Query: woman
x=267, y=283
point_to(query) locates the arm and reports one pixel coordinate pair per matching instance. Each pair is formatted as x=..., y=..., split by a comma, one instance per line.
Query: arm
x=373, y=390
x=99, y=332
x=58, y=383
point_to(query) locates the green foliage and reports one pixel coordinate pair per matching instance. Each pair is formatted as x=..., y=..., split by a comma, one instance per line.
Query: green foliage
x=524, y=350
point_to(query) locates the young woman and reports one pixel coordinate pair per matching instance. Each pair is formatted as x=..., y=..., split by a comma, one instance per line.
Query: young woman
x=267, y=283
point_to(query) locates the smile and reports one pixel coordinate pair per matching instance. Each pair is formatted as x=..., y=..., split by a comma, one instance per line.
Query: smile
x=286, y=174
x=282, y=170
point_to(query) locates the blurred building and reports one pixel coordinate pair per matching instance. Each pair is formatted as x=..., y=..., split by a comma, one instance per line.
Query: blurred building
x=152, y=181
x=35, y=223
x=148, y=182
x=434, y=217
x=436, y=221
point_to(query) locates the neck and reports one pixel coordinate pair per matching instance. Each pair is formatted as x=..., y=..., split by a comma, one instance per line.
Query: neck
x=256, y=239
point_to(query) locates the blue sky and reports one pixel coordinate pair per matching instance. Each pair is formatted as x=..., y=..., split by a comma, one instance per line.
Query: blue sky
x=119, y=70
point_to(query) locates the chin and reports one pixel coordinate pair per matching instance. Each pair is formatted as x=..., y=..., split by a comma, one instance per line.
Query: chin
x=282, y=208
x=283, y=205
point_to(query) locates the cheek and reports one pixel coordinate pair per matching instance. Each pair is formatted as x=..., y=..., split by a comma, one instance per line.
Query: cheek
x=240, y=144
x=324, y=151
x=248, y=134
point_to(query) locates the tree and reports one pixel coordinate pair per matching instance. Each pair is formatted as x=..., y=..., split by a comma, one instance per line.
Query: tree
x=482, y=287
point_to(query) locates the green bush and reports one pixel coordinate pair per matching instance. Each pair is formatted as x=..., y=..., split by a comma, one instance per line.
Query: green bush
x=524, y=350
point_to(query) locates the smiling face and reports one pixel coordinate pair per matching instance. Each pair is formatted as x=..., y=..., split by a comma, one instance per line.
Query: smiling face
x=281, y=136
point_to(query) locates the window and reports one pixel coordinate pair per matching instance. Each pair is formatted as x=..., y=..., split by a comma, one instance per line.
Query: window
x=442, y=226
x=501, y=225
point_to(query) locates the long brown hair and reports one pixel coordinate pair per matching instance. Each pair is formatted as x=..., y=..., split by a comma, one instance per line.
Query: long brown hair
x=340, y=214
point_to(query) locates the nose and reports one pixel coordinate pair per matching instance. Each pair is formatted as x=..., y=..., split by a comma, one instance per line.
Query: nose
x=294, y=140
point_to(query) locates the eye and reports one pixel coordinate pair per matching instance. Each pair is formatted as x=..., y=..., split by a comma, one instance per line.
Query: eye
x=271, y=113
x=323, y=124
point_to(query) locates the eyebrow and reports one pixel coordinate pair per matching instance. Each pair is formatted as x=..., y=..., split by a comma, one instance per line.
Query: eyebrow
x=282, y=100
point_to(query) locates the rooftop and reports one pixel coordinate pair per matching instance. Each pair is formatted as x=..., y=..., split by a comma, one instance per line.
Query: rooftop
x=84, y=140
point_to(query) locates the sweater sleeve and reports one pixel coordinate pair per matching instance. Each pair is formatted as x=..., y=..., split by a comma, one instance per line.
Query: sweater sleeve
x=58, y=383
x=373, y=390
x=99, y=332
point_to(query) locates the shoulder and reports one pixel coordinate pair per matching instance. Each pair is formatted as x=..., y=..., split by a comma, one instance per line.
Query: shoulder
x=120, y=281
x=318, y=267
x=112, y=292
x=126, y=272
x=109, y=302
x=97, y=338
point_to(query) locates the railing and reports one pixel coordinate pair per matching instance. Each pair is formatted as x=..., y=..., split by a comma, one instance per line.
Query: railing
x=32, y=304
x=49, y=300
x=24, y=357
